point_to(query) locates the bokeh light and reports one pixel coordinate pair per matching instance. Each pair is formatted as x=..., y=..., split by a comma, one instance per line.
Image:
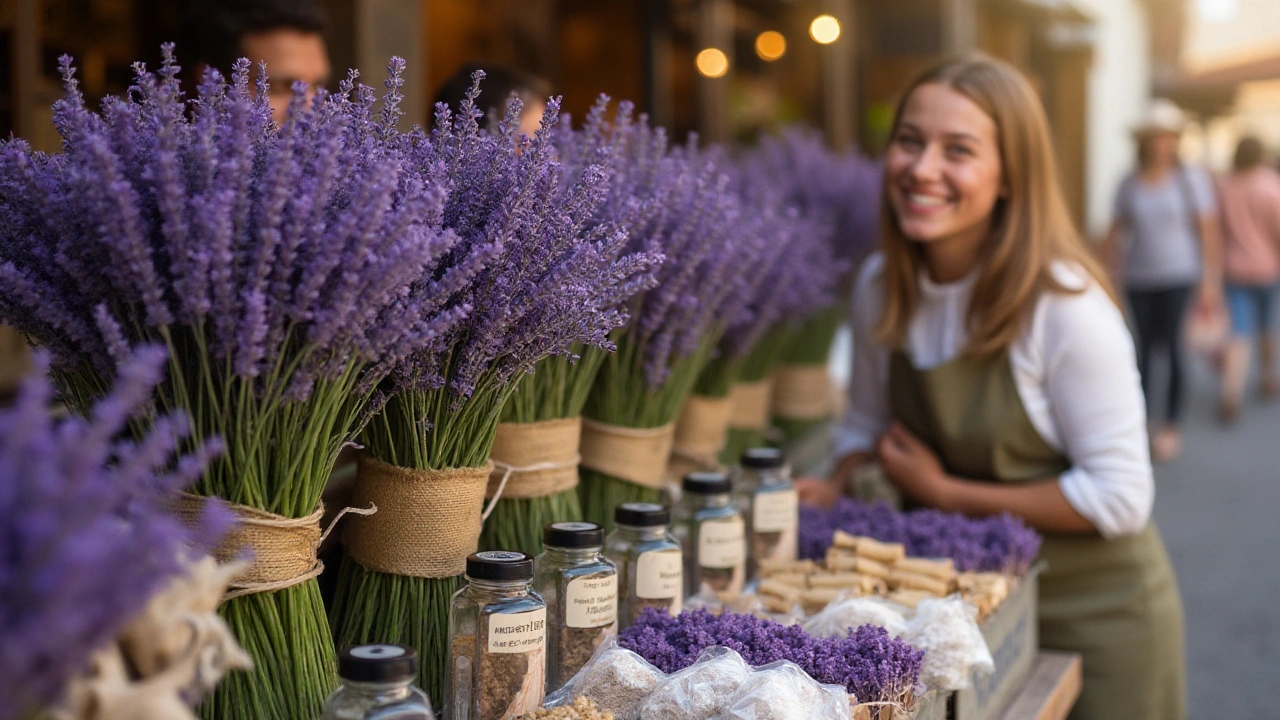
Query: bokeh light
x=712, y=62
x=770, y=45
x=824, y=29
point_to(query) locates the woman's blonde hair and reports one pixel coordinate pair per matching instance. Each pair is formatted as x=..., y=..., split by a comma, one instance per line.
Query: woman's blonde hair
x=1032, y=227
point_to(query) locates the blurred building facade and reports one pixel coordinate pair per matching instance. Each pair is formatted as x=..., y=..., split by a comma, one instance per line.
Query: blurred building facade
x=1092, y=60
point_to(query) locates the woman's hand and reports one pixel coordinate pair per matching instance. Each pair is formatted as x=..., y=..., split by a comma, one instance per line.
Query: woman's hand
x=913, y=467
x=822, y=492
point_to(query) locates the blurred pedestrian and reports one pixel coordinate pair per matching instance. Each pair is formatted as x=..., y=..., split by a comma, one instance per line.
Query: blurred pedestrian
x=1250, y=200
x=287, y=35
x=500, y=84
x=993, y=373
x=1165, y=237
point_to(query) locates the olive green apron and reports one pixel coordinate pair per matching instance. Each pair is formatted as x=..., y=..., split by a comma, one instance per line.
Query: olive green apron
x=1113, y=601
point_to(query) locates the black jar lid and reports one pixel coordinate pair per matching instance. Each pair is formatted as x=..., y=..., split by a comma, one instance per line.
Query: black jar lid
x=763, y=458
x=642, y=515
x=572, y=535
x=705, y=482
x=378, y=663
x=499, y=565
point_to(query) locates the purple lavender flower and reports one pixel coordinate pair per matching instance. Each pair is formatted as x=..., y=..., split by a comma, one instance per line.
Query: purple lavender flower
x=838, y=190
x=85, y=536
x=998, y=543
x=552, y=274
x=675, y=201
x=871, y=665
x=268, y=243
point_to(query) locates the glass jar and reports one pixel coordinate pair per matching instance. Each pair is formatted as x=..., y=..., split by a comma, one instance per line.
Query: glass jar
x=769, y=503
x=377, y=684
x=649, y=561
x=712, y=528
x=497, y=640
x=580, y=588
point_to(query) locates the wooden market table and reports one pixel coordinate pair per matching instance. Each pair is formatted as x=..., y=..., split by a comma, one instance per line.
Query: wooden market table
x=1051, y=689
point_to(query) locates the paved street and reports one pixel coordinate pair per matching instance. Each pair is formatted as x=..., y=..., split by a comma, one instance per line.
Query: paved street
x=1218, y=508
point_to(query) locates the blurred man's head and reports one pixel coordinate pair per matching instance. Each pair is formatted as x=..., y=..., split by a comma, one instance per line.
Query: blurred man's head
x=499, y=84
x=285, y=34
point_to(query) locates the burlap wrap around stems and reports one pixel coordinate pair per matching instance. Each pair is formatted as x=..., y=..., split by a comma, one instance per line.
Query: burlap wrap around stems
x=751, y=405
x=701, y=433
x=284, y=548
x=428, y=521
x=802, y=392
x=637, y=455
x=550, y=445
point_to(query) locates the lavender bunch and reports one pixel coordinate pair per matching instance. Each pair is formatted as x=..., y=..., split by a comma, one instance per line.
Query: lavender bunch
x=839, y=191
x=998, y=543
x=870, y=664
x=549, y=278
x=286, y=268
x=84, y=525
x=676, y=201
x=801, y=282
x=840, y=194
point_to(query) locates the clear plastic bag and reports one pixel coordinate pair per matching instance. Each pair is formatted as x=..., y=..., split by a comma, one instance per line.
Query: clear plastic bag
x=615, y=678
x=782, y=691
x=841, y=616
x=701, y=691
x=946, y=629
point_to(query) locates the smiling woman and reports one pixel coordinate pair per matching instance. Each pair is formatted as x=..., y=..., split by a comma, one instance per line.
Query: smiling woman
x=992, y=373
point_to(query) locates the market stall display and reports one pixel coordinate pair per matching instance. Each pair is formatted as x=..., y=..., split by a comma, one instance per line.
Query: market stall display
x=491, y=316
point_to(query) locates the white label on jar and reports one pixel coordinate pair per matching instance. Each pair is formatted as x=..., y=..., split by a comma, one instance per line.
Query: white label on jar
x=591, y=602
x=659, y=574
x=777, y=511
x=518, y=632
x=722, y=543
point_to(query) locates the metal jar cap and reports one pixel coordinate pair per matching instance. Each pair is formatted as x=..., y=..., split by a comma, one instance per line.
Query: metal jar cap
x=378, y=663
x=707, y=483
x=763, y=458
x=572, y=535
x=499, y=565
x=642, y=515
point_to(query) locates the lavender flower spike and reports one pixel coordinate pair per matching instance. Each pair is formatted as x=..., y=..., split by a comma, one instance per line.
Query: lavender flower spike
x=85, y=536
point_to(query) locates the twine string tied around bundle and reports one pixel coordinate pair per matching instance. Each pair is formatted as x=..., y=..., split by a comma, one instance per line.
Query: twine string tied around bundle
x=285, y=550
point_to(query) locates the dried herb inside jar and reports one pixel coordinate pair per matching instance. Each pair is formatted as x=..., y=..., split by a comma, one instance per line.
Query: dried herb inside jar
x=580, y=588
x=649, y=561
x=498, y=637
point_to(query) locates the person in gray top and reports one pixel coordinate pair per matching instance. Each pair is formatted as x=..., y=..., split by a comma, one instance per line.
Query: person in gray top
x=1165, y=246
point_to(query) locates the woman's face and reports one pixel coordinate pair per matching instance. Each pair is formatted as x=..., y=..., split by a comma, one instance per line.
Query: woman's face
x=1162, y=148
x=942, y=168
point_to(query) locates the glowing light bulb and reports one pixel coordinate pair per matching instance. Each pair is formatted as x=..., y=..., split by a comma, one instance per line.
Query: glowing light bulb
x=770, y=45
x=824, y=29
x=712, y=62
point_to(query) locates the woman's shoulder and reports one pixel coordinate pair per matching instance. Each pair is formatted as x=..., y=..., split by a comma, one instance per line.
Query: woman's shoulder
x=1081, y=302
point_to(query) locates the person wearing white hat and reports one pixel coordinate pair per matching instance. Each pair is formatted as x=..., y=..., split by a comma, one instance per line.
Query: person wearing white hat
x=1165, y=237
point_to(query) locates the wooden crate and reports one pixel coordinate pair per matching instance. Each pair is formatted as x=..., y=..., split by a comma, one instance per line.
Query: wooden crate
x=1014, y=639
